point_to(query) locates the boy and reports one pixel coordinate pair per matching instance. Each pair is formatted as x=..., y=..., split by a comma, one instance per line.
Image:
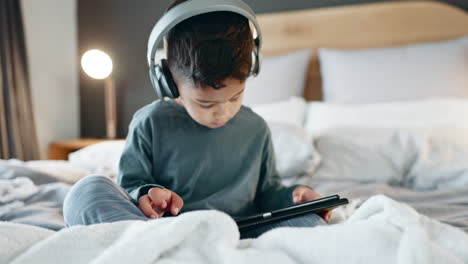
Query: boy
x=201, y=150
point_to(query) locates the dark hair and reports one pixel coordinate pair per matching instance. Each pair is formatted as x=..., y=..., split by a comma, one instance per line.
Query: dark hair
x=210, y=48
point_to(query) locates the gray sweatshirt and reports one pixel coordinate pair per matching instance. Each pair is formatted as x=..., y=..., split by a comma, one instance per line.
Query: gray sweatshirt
x=231, y=168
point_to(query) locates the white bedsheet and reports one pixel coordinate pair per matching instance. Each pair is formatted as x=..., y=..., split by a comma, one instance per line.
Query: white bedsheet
x=380, y=231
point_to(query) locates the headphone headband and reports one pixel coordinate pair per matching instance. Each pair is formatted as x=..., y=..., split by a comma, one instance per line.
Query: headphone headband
x=192, y=8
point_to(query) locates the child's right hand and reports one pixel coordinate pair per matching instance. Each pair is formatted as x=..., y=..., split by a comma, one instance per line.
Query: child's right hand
x=158, y=201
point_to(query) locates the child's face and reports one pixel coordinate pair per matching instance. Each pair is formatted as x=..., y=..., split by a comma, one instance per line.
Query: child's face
x=211, y=107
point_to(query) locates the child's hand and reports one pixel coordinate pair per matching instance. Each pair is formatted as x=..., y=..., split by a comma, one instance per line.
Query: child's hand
x=304, y=194
x=158, y=201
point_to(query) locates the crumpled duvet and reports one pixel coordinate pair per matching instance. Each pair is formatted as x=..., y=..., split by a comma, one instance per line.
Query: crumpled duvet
x=381, y=230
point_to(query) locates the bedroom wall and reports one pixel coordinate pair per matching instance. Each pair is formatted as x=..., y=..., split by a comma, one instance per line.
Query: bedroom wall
x=51, y=41
x=121, y=28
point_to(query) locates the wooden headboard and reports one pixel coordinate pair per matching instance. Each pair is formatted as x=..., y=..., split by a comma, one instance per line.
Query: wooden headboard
x=358, y=26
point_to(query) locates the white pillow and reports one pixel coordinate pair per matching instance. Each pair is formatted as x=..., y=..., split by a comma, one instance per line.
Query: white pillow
x=441, y=161
x=102, y=157
x=294, y=151
x=395, y=73
x=415, y=158
x=291, y=111
x=420, y=145
x=321, y=116
x=280, y=78
x=363, y=155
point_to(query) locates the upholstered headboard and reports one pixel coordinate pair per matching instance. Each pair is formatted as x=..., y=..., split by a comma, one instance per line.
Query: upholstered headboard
x=358, y=26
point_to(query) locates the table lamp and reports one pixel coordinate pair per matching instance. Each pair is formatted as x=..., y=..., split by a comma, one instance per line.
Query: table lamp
x=98, y=65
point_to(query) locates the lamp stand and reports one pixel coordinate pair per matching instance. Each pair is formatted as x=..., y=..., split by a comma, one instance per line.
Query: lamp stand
x=110, y=104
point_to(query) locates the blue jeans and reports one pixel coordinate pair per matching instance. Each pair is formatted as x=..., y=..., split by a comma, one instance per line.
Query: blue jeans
x=97, y=199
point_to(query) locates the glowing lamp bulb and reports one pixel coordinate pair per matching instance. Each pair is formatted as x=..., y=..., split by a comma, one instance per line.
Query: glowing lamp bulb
x=96, y=64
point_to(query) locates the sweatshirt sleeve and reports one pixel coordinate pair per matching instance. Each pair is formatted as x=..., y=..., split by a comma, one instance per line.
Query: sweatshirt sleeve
x=136, y=163
x=271, y=193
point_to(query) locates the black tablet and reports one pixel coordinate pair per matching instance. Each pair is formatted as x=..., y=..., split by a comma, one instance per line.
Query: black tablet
x=315, y=206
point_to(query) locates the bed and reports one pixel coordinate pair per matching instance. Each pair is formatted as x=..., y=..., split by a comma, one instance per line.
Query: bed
x=345, y=118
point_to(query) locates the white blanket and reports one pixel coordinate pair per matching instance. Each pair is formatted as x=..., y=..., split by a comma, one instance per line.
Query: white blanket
x=380, y=231
x=13, y=192
x=20, y=188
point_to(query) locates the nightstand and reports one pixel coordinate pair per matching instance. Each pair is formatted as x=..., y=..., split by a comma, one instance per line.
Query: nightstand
x=59, y=150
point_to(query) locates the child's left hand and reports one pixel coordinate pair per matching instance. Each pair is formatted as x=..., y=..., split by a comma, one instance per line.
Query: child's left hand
x=304, y=194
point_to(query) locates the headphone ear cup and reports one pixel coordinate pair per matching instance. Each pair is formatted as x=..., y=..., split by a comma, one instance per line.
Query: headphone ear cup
x=256, y=59
x=154, y=77
x=171, y=85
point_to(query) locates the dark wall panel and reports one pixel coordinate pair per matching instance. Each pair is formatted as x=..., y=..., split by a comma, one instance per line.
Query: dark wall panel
x=121, y=28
